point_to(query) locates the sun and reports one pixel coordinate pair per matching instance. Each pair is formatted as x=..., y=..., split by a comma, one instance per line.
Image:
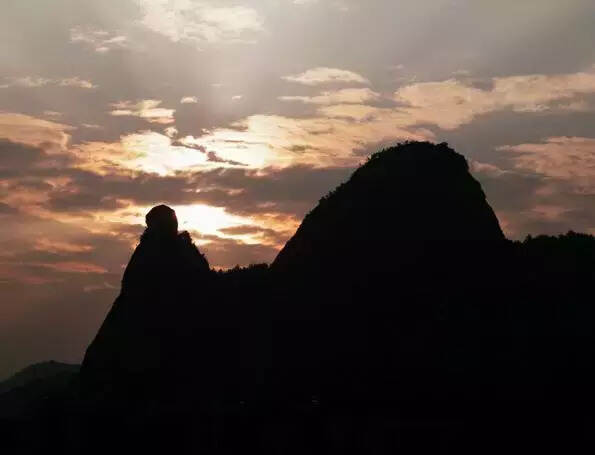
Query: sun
x=206, y=219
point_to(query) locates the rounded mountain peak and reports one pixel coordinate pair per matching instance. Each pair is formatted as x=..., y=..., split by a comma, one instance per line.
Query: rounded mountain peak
x=409, y=207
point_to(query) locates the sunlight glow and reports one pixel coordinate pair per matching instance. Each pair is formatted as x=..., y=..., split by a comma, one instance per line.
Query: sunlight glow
x=206, y=219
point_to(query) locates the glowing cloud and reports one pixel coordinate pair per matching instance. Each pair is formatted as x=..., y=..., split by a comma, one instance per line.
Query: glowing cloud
x=148, y=110
x=189, y=100
x=270, y=140
x=146, y=151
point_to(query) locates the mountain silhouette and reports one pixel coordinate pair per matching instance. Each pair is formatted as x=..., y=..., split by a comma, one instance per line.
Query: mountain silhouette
x=388, y=275
x=397, y=319
x=33, y=406
x=417, y=200
x=145, y=337
x=37, y=372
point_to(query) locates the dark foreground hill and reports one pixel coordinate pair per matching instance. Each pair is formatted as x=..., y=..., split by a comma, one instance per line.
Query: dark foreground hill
x=398, y=319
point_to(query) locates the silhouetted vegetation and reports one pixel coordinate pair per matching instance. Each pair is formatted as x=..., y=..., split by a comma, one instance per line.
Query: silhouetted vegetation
x=398, y=319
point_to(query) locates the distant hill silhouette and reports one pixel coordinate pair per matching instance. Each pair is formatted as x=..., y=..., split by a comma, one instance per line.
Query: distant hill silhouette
x=37, y=372
x=398, y=319
x=33, y=405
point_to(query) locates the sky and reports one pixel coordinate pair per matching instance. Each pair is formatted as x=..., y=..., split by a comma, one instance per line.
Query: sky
x=242, y=114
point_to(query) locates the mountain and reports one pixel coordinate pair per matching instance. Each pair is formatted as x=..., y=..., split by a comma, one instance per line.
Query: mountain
x=388, y=277
x=397, y=319
x=150, y=331
x=33, y=406
x=417, y=200
x=38, y=372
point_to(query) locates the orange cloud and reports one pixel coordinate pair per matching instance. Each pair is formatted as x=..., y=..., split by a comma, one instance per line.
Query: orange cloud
x=452, y=103
x=35, y=132
x=568, y=158
x=57, y=246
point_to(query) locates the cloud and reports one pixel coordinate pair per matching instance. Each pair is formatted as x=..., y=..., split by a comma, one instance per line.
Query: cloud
x=339, y=132
x=171, y=131
x=27, y=82
x=77, y=82
x=548, y=189
x=565, y=158
x=148, y=110
x=291, y=191
x=61, y=247
x=36, y=82
x=343, y=96
x=207, y=200
x=324, y=75
x=189, y=100
x=79, y=196
x=101, y=40
x=74, y=267
x=258, y=234
x=270, y=140
x=362, y=112
x=146, y=151
x=452, y=103
x=201, y=22
x=24, y=129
